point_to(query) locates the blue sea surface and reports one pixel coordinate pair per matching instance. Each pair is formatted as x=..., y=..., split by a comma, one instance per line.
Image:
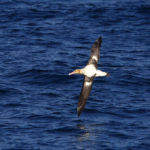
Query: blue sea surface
x=41, y=41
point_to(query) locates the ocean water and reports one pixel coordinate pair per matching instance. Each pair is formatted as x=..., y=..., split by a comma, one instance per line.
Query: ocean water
x=41, y=41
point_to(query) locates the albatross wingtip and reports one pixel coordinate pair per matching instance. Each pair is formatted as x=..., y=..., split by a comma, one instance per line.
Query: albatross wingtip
x=100, y=39
x=79, y=111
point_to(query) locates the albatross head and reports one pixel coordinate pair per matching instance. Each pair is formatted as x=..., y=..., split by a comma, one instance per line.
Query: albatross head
x=77, y=71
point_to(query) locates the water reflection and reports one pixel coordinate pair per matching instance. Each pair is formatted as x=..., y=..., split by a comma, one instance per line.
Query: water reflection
x=85, y=132
x=85, y=135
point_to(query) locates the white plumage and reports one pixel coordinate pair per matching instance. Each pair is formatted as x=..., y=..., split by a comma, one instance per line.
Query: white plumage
x=95, y=58
x=100, y=73
x=88, y=83
x=89, y=70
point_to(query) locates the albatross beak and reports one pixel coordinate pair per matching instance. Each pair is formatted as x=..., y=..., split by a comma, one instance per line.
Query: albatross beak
x=71, y=73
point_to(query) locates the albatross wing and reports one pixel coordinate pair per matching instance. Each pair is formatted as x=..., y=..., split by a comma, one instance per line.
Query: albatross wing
x=95, y=52
x=89, y=72
x=86, y=89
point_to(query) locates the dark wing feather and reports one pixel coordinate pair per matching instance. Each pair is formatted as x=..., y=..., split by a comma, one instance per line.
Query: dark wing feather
x=95, y=51
x=84, y=93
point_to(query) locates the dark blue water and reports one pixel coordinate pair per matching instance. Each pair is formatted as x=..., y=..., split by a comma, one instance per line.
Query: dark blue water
x=41, y=41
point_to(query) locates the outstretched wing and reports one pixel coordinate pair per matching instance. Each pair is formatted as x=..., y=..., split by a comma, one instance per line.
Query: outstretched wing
x=86, y=89
x=95, y=52
x=87, y=84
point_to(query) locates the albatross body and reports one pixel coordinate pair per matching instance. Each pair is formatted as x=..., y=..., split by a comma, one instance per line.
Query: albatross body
x=90, y=71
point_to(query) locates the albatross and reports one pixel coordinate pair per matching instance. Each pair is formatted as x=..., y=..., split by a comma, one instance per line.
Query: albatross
x=90, y=71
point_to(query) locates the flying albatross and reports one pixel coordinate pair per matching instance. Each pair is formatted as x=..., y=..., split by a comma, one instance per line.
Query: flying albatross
x=89, y=71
